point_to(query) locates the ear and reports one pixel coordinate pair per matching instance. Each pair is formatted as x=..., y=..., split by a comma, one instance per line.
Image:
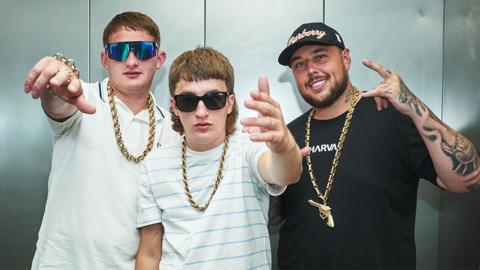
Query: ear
x=173, y=106
x=161, y=56
x=347, y=61
x=230, y=103
x=103, y=59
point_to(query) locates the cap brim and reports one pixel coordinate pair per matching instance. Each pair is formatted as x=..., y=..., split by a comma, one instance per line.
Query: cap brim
x=286, y=55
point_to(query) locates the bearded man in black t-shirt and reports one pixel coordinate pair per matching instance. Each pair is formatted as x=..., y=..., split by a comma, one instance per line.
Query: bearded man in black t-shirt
x=354, y=207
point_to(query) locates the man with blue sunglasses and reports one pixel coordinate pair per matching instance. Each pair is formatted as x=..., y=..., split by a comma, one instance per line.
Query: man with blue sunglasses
x=102, y=132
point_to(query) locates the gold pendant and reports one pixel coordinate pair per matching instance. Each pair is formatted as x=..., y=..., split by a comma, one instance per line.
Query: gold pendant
x=325, y=212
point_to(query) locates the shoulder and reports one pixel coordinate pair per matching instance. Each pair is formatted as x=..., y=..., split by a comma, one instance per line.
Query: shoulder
x=297, y=127
x=239, y=138
x=367, y=108
x=95, y=89
x=299, y=121
x=387, y=122
x=240, y=144
x=167, y=150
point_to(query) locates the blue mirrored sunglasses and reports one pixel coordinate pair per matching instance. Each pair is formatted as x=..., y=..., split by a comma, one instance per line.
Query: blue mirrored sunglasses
x=143, y=50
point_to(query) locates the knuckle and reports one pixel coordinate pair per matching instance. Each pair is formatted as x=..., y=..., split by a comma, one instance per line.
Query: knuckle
x=36, y=70
x=274, y=122
x=51, y=71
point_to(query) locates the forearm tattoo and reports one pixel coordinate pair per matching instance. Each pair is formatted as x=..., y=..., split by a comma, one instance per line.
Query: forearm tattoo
x=465, y=158
x=463, y=155
x=461, y=151
x=407, y=97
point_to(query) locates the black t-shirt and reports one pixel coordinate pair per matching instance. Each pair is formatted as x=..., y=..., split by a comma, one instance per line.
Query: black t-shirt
x=373, y=198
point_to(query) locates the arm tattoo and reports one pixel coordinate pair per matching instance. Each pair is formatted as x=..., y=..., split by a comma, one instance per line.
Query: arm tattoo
x=464, y=157
x=406, y=97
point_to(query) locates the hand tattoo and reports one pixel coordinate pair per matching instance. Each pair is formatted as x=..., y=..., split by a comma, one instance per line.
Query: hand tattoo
x=406, y=97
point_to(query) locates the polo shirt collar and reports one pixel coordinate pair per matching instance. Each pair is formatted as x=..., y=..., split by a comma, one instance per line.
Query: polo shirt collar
x=143, y=115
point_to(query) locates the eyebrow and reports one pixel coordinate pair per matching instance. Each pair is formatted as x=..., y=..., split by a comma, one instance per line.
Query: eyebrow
x=188, y=92
x=315, y=51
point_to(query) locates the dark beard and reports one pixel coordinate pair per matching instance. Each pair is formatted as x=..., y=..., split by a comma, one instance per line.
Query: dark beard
x=334, y=93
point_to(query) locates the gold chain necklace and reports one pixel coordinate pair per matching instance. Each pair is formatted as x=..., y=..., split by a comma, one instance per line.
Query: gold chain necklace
x=217, y=180
x=325, y=211
x=118, y=133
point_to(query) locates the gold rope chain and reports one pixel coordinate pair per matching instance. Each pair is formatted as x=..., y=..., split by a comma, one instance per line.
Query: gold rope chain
x=338, y=152
x=118, y=133
x=217, y=180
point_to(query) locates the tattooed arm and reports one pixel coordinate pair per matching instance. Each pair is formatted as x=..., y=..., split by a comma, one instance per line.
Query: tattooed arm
x=455, y=158
x=458, y=159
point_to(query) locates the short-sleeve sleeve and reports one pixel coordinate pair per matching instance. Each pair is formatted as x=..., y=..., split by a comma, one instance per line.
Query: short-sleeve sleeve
x=253, y=153
x=420, y=160
x=148, y=211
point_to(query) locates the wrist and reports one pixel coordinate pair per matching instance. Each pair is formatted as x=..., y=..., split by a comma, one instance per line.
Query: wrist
x=288, y=144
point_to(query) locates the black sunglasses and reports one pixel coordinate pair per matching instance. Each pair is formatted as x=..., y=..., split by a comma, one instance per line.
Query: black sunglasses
x=212, y=100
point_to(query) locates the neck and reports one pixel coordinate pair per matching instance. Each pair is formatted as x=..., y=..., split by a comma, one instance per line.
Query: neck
x=200, y=146
x=136, y=101
x=340, y=106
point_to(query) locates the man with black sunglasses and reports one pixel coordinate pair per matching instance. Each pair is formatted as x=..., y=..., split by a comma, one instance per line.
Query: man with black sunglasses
x=203, y=198
x=102, y=131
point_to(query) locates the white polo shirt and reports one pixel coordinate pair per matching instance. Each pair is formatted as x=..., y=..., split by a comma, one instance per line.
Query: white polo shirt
x=90, y=214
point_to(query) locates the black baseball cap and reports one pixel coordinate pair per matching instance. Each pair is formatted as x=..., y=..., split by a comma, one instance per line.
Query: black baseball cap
x=308, y=34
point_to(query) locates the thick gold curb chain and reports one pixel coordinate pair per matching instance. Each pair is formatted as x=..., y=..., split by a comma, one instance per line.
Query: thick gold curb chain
x=217, y=180
x=118, y=133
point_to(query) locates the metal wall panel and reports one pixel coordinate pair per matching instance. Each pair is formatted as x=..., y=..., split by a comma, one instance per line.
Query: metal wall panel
x=252, y=34
x=406, y=36
x=459, y=240
x=30, y=30
x=181, y=29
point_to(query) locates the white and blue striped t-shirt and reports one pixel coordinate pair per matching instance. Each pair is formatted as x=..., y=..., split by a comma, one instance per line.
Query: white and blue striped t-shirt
x=232, y=232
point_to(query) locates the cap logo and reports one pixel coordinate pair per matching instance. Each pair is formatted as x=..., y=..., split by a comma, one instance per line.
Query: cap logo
x=338, y=38
x=305, y=33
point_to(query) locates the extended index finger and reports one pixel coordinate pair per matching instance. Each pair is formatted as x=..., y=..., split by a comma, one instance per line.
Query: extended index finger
x=381, y=70
x=263, y=86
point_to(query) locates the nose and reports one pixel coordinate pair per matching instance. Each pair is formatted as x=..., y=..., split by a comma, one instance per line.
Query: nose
x=132, y=60
x=311, y=67
x=201, y=111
